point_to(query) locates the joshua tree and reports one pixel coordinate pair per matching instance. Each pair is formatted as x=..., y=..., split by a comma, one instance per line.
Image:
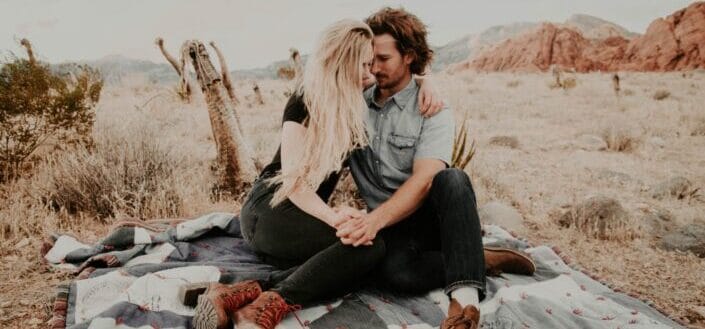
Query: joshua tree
x=25, y=43
x=258, y=93
x=235, y=159
x=615, y=83
x=227, y=80
x=184, y=86
x=296, y=63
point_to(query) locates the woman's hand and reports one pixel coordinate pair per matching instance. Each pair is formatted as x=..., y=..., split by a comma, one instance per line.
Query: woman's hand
x=430, y=101
x=359, y=231
x=349, y=211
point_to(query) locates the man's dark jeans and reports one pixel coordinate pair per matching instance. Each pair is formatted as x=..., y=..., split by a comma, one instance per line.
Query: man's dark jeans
x=440, y=245
x=314, y=263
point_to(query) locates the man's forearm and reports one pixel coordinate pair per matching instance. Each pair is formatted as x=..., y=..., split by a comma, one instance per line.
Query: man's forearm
x=403, y=202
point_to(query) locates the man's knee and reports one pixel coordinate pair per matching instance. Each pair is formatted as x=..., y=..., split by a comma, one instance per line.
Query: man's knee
x=452, y=180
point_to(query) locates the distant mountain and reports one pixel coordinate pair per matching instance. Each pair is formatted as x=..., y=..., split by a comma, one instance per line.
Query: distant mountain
x=460, y=49
x=470, y=45
x=115, y=67
x=597, y=28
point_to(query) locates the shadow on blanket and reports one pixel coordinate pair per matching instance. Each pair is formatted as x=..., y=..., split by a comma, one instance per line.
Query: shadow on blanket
x=131, y=279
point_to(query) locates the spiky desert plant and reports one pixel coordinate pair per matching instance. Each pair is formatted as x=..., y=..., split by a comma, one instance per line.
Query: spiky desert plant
x=462, y=153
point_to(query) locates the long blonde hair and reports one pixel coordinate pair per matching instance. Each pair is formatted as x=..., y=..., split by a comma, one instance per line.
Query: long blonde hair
x=333, y=96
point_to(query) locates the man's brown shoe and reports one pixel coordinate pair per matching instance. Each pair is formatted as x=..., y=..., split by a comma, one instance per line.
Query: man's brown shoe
x=503, y=260
x=467, y=317
x=218, y=303
x=264, y=313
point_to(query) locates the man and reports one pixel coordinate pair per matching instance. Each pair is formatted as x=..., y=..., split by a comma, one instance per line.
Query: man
x=425, y=212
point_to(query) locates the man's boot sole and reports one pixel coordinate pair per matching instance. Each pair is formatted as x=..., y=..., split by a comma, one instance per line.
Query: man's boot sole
x=517, y=253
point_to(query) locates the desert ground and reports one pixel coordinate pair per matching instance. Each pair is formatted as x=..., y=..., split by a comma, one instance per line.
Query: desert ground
x=540, y=150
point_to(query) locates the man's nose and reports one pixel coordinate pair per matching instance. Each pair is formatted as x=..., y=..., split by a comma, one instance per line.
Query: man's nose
x=375, y=67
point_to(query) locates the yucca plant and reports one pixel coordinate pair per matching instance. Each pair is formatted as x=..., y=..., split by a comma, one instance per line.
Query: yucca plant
x=462, y=153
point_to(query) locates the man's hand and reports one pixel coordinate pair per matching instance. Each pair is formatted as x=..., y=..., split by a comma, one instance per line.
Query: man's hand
x=359, y=231
x=430, y=101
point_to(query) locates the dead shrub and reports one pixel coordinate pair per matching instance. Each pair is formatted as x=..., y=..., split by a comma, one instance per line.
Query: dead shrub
x=620, y=139
x=699, y=128
x=600, y=217
x=660, y=95
x=513, y=83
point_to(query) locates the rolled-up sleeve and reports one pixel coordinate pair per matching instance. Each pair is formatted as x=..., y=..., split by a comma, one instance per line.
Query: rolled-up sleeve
x=436, y=138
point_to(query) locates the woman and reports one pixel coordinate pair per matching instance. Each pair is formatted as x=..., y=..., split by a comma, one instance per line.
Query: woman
x=286, y=218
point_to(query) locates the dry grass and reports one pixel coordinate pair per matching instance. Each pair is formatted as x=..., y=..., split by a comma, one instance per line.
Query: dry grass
x=543, y=177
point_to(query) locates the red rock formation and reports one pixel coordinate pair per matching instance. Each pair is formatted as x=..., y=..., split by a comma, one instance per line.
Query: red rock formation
x=674, y=43
x=551, y=45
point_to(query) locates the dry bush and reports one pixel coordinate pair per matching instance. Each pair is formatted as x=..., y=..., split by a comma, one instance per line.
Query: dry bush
x=699, y=128
x=600, y=217
x=569, y=83
x=564, y=83
x=130, y=174
x=620, y=139
x=42, y=106
x=513, y=83
x=661, y=95
x=628, y=92
x=286, y=72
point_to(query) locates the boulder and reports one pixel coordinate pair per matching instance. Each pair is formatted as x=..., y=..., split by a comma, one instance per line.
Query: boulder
x=676, y=187
x=687, y=238
x=498, y=213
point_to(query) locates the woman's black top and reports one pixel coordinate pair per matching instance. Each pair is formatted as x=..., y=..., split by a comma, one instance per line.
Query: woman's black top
x=296, y=111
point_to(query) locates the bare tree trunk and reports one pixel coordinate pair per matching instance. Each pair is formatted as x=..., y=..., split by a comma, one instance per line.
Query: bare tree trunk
x=25, y=43
x=258, y=94
x=227, y=80
x=615, y=83
x=184, y=86
x=235, y=158
x=296, y=61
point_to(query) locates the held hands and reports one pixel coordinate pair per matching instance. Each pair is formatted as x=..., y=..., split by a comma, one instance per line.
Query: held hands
x=357, y=231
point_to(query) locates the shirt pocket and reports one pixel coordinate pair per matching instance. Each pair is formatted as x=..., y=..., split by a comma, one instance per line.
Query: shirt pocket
x=402, y=151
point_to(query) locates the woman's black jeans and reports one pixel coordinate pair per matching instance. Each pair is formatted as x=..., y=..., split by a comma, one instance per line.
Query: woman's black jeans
x=315, y=264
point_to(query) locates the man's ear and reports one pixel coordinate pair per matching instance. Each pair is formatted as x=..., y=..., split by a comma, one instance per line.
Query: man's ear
x=408, y=58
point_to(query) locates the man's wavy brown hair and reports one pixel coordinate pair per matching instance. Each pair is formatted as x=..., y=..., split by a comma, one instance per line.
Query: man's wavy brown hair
x=408, y=31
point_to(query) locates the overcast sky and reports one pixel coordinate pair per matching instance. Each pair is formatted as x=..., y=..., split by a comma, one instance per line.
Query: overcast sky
x=256, y=33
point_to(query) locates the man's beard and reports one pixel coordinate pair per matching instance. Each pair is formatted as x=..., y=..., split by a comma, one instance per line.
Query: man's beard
x=384, y=81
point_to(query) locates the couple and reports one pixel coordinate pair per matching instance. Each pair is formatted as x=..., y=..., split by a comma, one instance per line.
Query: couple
x=422, y=230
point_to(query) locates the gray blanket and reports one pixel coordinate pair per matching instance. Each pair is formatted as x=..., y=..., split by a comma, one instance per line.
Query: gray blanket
x=131, y=279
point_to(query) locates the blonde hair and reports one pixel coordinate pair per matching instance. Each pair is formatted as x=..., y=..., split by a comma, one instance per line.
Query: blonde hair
x=332, y=94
